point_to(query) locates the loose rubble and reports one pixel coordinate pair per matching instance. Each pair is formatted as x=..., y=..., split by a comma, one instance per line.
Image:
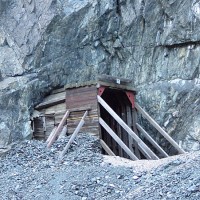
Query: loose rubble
x=32, y=171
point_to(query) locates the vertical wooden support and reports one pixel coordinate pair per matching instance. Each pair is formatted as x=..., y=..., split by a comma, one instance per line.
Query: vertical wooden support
x=119, y=133
x=130, y=124
x=44, y=124
x=134, y=115
x=131, y=98
x=124, y=133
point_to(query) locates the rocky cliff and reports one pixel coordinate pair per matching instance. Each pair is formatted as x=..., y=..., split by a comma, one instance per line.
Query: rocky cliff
x=45, y=44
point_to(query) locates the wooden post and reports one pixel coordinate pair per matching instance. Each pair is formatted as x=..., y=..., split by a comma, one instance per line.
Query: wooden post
x=143, y=147
x=134, y=119
x=63, y=132
x=151, y=140
x=130, y=124
x=73, y=135
x=51, y=134
x=117, y=139
x=62, y=122
x=106, y=148
x=119, y=133
x=156, y=126
x=125, y=135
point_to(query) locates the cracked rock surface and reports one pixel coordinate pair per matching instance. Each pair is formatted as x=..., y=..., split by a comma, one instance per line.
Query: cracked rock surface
x=31, y=171
x=46, y=44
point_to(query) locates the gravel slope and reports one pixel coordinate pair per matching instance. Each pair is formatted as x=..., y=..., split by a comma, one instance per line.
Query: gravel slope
x=31, y=171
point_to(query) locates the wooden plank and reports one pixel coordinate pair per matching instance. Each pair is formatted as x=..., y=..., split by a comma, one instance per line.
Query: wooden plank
x=106, y=148
x=56, y=91
x=88, y=108
x=55, y=109
x=58, y=129
x=75, y=104
x=73, y=135
x=151, y=140
x=115, y=86
x=134, y=120
x=51, y=134
x=52, y=100
x=157, y=127
x=124, y=136
x=119, y=133
x=143, y=147
x=82, y=90
x=117, y=139
x=130, y=123
x=86, y=127
x=63, y=132
x=99, y=126
x=90, y=118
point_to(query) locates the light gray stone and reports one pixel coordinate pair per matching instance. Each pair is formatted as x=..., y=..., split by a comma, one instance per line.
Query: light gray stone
x=4, y=134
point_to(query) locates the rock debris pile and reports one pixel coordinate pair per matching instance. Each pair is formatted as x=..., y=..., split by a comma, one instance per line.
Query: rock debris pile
x=31, y=171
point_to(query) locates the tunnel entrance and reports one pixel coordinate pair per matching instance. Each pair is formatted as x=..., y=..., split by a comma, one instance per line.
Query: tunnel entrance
x=119, y=102
x=105, y=108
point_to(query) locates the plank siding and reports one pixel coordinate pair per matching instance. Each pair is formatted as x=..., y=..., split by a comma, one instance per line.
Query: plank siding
x=82, y=97
x=79, y=97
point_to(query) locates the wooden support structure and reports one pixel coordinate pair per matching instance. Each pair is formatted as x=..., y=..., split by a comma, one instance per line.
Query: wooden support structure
x=63, y=132
x=143, y=147
x=157, y=127
x=73, y=135
x=151, y=140
x=111, y=110
x=134, y=116
x=117, y=139
x=60, y=126
x=106, y=148
x=130, y=124
x=51, y=134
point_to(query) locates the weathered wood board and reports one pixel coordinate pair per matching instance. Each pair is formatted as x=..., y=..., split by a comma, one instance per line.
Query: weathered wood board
x=79, y=98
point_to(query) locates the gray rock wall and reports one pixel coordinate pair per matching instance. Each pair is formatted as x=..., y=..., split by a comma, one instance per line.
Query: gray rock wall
x=45, y=44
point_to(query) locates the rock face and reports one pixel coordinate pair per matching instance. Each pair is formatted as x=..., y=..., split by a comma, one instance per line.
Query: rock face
x=45, y=44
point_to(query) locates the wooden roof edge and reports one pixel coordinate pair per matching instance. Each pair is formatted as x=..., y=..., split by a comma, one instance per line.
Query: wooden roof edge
x=117, y=86
x=77, y=85
x=59, y=90
x=49, y=103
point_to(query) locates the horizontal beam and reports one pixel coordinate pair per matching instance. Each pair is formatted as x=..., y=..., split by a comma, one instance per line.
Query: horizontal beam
x=117, y=139
x=151, y=140
x=143, y=147
x=158, y=128
x=115, y=86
